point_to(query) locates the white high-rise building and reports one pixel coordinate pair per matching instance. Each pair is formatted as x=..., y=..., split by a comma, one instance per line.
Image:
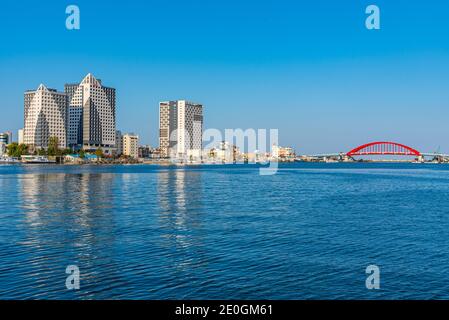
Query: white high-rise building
x=20, y=136
x=180, y=129
x=91, y=115
x=45, y=116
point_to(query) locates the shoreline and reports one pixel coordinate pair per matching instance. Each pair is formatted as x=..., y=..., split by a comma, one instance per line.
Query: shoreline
x=172, y=164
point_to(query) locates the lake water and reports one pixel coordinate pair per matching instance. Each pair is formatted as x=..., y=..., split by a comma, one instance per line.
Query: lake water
x=224, y=232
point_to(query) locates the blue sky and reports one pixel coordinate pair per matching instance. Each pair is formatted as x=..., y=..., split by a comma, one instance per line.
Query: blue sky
x=309, y=68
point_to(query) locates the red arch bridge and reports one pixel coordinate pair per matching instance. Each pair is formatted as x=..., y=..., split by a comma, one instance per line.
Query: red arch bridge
x=383, y=148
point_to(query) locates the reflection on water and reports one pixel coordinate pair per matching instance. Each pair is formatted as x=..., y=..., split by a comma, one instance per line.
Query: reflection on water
x=179, y=194
x=147, y=232
x=179, y=199
x=70, y=215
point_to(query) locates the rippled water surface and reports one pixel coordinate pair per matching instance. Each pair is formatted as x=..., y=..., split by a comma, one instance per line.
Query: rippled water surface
x=224, y=232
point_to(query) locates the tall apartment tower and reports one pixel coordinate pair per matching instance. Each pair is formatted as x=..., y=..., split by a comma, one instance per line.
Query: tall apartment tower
x=180, y=128
x=118, y=143
x=91, y=114
x=45, y=116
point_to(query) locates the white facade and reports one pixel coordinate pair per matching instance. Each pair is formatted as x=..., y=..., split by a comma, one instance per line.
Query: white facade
x=91, y=115
x=224, y=152
x=2, y=148
x=20, y=136
x=278, y=152
x=275, y=151
x=180, y=129
x=45, y=116
x=131, y=145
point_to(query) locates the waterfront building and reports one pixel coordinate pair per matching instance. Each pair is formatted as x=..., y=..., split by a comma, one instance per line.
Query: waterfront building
x=4, y=141
x=282, y=153
x=91, y=114
x=156, y=153
x=6, y=137
x=224, y=152
x=20, y=136
x=118, y=143
x=180, y=129
x=45, y=116
x=131, y=145
x=145, y=151
x=2, y=148
x=73, y=158
x=10, y=136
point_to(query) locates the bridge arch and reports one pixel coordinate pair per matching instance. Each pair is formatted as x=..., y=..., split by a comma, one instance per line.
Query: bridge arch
x=384, y=148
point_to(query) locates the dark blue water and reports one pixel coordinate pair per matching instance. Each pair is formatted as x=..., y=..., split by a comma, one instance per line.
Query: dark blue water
x=225, y=232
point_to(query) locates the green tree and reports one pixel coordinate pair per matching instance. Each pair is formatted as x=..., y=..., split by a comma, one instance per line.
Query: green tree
x=23, y=149
x=12, y=149
x=212, y=153
x=82, y=154
x=17, y=150
x=66, y=151
x=53, y=147
x=99, y=153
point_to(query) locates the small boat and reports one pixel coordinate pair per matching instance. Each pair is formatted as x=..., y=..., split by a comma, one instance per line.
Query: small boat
x=8, y=160
x=36, y=160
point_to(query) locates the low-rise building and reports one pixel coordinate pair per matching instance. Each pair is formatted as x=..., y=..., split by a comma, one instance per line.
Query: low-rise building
x=145, y=151
x=156, y=154
x=282, y=153
x=73, y=158
x=76, y=158
x=2, y=148
x=131, y=145
x=6, y=137
x=224, y=152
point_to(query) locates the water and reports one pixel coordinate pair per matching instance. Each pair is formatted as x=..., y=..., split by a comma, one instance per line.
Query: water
x=224, y=232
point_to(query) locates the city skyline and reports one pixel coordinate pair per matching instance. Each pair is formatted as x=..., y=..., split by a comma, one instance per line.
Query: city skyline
x=311, y=70
x=224, y=159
